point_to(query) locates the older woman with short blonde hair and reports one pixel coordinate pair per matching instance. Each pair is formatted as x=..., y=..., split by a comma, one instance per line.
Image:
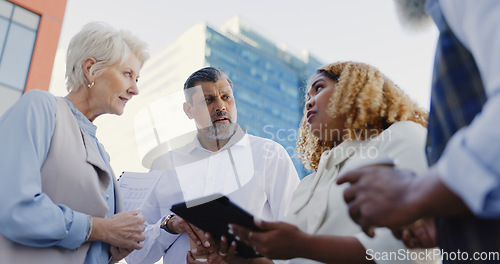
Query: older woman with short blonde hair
x=60, y=201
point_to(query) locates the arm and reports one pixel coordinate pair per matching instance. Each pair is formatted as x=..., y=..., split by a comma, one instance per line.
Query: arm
x=279, y=240
x=157, y=241
x=474, y=150
x=27, y=215
x=123, y=230
x=180, y=226
x=420, y=234
x=425, y=188
x=156, y=208
x=381, y=196
x=118, y=254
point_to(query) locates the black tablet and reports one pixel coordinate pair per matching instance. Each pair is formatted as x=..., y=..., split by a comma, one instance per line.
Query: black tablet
x=213, y=214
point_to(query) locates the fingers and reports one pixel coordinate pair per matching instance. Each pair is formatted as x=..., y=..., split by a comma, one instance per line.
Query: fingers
x=224, y=246
x=179, y=225
x=130, y=218
x=243, y=234
x=397, y=233
x=367, y=227
x=265, y=226
x=199, y=236
x=356, y=204
x=430, y=230
x=190, y=259
x=354, y=211
x=350, y=193
x=223, y=250
x=422, y=234
x=119, y=253
x=123, y=230
x=232, y=249
x=247, y=236
x=135, y=212
x=233, y=257
x=351, y=177
x=133, y=245
x=213, y=242
x=407, y=237
x=201, y=249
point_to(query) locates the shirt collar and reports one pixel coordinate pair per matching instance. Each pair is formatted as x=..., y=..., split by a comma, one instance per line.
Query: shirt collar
x=341, y=152
x=238, y=139
x=82, y=120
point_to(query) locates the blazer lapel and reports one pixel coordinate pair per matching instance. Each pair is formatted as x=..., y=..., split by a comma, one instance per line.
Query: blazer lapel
x=94, y=158
x=335, y=160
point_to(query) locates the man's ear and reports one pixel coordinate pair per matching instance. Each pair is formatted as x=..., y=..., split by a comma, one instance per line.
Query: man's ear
x=187, y=109
x=86, y=65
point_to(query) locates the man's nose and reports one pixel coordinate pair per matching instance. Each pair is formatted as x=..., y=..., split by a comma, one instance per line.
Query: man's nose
x=220, y=106
x=221, y=109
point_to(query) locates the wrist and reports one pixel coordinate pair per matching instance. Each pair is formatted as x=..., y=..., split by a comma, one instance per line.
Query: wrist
x=432, y=198
x=165, y=224
x=304, y=251
x=418, y=200
x=98, y=230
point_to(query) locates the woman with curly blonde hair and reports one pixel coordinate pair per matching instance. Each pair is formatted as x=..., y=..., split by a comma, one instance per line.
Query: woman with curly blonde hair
x=369, y=101
x=354, y=116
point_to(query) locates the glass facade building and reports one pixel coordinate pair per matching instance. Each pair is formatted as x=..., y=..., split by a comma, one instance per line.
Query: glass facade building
x=269, y=82
x=29, y=33
x=18, y=30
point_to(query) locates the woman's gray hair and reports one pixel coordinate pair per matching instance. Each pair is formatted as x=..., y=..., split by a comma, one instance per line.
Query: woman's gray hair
x=107, y=45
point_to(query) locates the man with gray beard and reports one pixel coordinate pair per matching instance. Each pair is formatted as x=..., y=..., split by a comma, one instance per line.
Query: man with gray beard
x=255, y=173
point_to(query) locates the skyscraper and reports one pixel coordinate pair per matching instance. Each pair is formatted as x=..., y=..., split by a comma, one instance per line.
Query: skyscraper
x=29, y=34
x=268, y=86
x=269, y=81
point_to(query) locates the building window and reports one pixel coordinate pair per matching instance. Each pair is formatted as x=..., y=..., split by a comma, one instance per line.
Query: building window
x=18, y=30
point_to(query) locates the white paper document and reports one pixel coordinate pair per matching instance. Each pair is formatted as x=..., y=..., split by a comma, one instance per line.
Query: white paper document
x=135, y=187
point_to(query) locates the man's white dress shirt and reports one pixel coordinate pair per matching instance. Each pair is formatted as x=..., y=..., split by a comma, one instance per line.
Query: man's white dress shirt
x=255, y=173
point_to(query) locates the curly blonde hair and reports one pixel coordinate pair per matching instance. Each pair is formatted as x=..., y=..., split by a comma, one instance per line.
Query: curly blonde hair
x=369, y=101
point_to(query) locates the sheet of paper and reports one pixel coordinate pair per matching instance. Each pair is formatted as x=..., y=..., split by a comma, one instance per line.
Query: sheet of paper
x=135, y=187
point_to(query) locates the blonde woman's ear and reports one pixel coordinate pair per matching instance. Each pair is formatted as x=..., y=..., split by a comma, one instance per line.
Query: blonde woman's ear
x=87, y=65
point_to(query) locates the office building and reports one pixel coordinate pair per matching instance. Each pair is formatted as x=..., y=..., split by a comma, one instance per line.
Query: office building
x=29, y=34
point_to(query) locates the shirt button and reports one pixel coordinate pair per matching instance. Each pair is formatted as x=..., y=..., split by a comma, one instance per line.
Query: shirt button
x=107, y=196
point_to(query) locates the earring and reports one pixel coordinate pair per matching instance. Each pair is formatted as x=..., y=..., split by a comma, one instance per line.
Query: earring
x=90, y=85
